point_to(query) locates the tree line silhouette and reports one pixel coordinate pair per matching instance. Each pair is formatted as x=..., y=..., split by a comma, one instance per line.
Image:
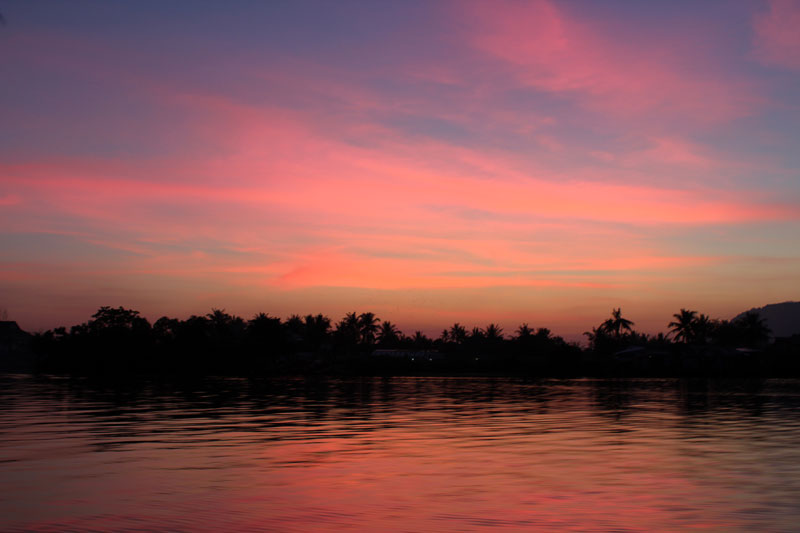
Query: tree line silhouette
x=119, y=340
x=688, y=328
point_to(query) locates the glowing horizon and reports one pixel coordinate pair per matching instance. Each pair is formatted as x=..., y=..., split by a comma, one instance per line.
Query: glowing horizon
x=433, y=163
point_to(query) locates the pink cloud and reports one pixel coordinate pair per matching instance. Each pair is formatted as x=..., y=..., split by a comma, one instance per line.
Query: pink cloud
x=670, y=152
x=349, y=186
x=777, y=34
x=282, y=182
x=415, y=224
x=21, y=272
x=9, y=199
x=453, y=186
x=286, y=164
x=549, y=49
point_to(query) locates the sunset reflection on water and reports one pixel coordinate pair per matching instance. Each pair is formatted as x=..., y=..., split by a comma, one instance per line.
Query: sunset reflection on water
x=402, y=454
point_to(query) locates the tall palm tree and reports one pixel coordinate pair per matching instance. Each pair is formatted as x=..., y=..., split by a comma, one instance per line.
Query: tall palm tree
x=458, y=333
x=348, y=329
x=684, y=325
x=388, y=333
x=368, y=327
x=493, y=333
x=350, y=319
x=616, y=324
x=524, y=331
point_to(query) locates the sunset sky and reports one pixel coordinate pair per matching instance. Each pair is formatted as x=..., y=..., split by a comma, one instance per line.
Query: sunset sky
x=429, y=161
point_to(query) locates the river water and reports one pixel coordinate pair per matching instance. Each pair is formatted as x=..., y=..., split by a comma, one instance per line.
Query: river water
x=400, y=454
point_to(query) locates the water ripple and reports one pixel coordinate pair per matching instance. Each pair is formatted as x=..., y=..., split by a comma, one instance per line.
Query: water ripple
x=407, y=454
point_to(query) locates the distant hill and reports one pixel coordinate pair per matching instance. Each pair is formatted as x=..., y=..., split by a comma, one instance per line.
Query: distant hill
x=783, y=319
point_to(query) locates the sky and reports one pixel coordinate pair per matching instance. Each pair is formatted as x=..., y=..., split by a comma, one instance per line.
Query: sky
x=430, y=161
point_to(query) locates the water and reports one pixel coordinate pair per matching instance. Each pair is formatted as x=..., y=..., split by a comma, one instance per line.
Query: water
x=408, y=454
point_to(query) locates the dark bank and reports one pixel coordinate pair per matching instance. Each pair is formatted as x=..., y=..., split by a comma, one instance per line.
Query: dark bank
x=120, y=342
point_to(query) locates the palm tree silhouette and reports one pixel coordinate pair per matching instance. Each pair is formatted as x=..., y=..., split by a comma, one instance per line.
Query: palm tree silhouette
x=219, y=318
x=684, y=325
x=616, y=324
x=349, y=330
x=316, y=329
x=524, y=331
x=368, y=327
x=493, y=333
x=458, y=333
x=388, y=333
x=703, y=328
x=420, y=341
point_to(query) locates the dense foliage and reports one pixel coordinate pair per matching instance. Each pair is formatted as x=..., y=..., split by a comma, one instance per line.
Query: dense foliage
x=120, y=340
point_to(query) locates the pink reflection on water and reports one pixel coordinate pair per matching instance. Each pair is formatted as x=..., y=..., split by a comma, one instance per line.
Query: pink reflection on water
x=425, y=456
